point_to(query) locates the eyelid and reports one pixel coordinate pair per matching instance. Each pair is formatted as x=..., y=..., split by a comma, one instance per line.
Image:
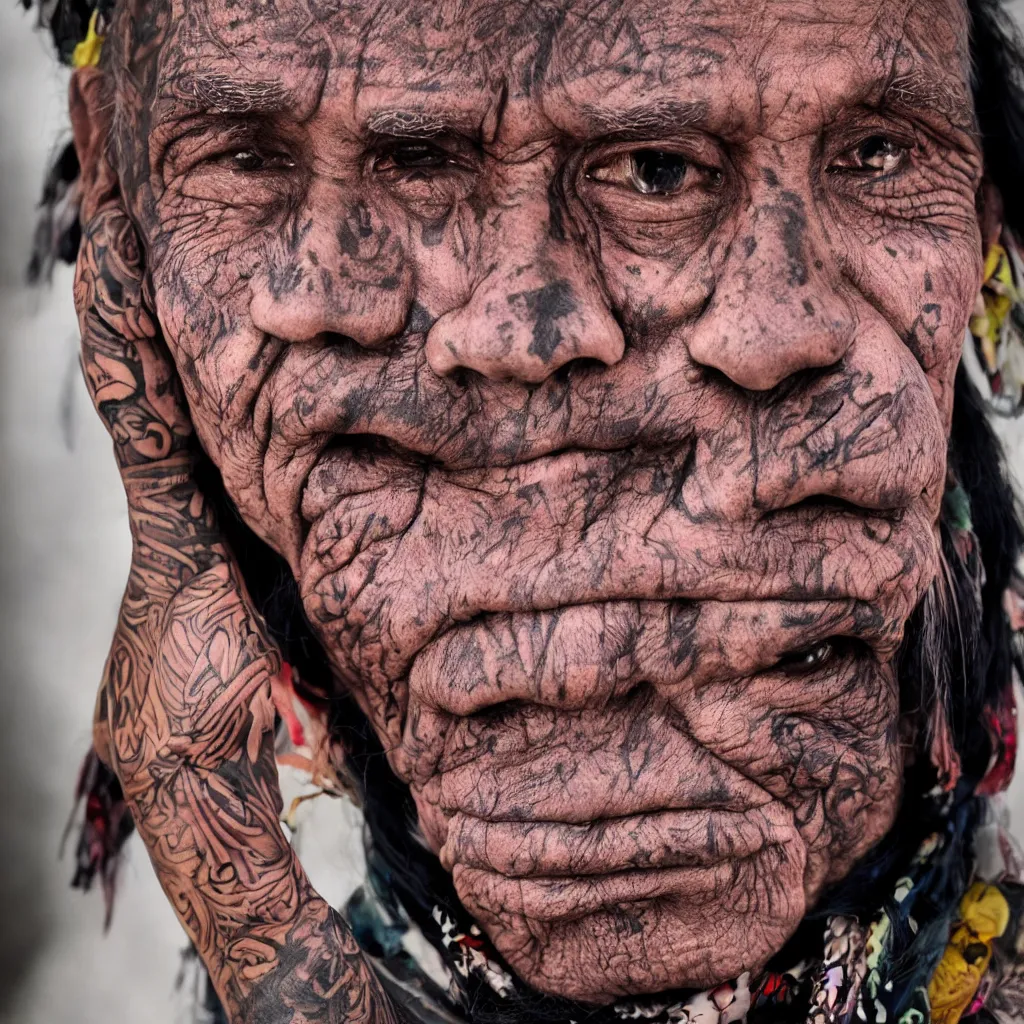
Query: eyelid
x=460, y=151
x=710, y=176
x=698, y=151
x=211, y=140
x=270, y=156
x=871, y=175
x=849, y=136
x=904, y=159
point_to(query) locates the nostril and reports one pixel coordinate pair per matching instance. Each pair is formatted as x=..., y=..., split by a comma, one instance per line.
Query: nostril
x=798, y=382
x=778, y=389
x=637, y=696
x=369, y=444
x=711, y=376
x=464, y=378
x=516, y=712
x=342, y=342
x=579, y=369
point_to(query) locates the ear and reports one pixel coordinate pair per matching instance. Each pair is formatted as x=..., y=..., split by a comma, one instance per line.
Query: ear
x=91, y=125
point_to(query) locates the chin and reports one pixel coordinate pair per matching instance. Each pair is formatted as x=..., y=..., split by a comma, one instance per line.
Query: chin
x=600, y=939
x=602, y=934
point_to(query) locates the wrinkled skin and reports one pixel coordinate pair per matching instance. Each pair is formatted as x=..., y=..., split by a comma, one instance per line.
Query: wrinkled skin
x=609, y=506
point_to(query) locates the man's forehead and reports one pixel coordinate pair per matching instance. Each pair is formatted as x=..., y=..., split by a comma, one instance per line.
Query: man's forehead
x=439, y=62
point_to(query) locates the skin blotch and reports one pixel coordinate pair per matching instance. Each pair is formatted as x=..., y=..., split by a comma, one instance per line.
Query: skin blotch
x=546, y=306
x=592, y=368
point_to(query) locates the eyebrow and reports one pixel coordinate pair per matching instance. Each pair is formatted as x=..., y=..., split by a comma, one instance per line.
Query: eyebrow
x=916, y=93
x=218, y=93
x=409, y=123
x=661, y=118
x=418, y=124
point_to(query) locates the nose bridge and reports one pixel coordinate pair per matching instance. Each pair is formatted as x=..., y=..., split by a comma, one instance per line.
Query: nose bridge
x=346, y=274
x=527, y=289
x=537, y=303
x=778, y=227
x=777, y=307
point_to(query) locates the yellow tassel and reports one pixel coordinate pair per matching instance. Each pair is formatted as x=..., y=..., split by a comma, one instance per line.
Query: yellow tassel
x=993, y=260
x=984, y=916
x=993, y=305
x=87, y=52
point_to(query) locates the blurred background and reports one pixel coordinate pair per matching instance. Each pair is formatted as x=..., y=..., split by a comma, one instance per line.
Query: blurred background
x=64, y=550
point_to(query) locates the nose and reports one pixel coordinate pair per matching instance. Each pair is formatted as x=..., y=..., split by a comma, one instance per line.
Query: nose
x=778, y=306
x=348, y=276
x=537, y=306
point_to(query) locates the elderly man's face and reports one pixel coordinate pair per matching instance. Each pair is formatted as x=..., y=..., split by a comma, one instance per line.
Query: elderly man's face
x=591, y=364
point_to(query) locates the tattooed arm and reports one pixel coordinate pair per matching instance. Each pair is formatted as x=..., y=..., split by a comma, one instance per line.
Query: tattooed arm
x=185, y=715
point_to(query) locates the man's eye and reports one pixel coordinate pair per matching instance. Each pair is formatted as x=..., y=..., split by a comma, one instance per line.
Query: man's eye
x=876, y=155
x=250, y=160
x=414, y=156
x=807, y=659
x=651, y=172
